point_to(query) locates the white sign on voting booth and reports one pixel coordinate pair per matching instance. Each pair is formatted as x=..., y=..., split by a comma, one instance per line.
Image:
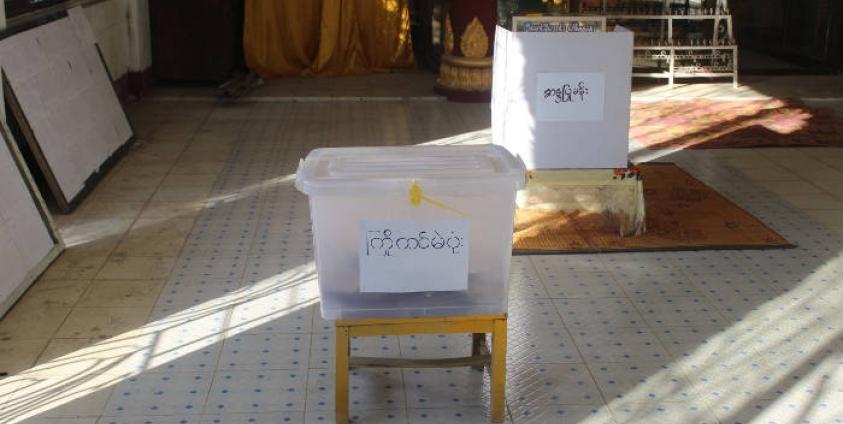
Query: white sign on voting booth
x=561, y=100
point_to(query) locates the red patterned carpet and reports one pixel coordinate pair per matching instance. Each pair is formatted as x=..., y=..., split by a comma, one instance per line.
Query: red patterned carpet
x=682, y=214
x=716, y=124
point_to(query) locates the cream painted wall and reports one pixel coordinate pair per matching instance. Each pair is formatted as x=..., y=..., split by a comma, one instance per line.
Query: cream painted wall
x=139, y=35
x=2, y=26
x=122, y=31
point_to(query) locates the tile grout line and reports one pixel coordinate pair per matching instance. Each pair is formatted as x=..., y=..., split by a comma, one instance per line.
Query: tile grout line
x=603, y=396
x=161, y=290
x=93, y=280
x=193, y=225
x=228, y=314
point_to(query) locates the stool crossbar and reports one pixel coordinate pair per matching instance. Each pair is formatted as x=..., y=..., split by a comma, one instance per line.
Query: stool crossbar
x=481, y=356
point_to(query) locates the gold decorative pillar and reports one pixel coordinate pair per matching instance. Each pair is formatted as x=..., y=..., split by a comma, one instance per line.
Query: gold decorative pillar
x=465, y=74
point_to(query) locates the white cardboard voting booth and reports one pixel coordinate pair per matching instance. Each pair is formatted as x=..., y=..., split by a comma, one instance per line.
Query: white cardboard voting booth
x=561, y=100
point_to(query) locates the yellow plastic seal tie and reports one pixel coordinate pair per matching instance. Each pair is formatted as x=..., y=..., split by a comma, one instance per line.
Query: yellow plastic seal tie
x=416, y=198
x=415, y=194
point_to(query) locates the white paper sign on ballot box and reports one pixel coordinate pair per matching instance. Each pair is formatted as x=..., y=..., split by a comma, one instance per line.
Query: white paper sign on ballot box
x=561, y=100
x=405, y=256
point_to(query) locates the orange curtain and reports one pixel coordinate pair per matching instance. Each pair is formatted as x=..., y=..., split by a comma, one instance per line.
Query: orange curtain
x=326, y=37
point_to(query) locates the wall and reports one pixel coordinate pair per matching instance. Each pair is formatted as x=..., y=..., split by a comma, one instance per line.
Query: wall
x=2, y=103
x=139, y=36
x=122, y=31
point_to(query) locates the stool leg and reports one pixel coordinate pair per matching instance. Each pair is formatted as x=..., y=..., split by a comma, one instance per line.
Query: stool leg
x=341, y=394
x=477, y=341
x=498, y=370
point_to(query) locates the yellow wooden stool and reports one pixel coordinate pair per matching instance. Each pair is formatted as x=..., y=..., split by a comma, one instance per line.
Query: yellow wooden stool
x=480, y=355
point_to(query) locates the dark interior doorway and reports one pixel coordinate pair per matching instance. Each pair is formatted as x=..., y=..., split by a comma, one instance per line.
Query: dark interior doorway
x=789, y=36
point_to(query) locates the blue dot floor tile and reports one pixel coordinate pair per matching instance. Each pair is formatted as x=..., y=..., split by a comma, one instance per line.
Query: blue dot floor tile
x=422, y=346
x=558, y=267
x=372, y=416
x=77, y=420
x=696, y=340
x=465, y=415
x=547, y=346
x=632, y=265
x=265, y=351
x=735, y=380
x=619, y=345
x=213, y=313
x=270, y=418
x=276, y=311
x=322, y=352
x=321, y=325
x=778, y=411
x=641, y=382
x=661, y=413
x=542, y=384
x=217, y=267
x=83, y=409
x=664, y=311
x=214, y=248
x=738, y=307
x=673, y=283
x=277, y=268
x=784, y=343
x=563, y=414
x=730, y=284
x=323, y=348
x=522, y=265
x=199, y=354
x=724, y=269
x=599, y=313
x=184, y=293
x=369, y=388
x=582, y=285
x=257, y=391
x=171, y=393
x=445, y=388
x=523, y=285
x=698, y=263
x=265, y=266
x=533, y=314
x=149, y=419
x=283, y=244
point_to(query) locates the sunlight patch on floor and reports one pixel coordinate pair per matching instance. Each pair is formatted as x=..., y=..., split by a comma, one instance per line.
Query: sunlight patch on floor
x=151, y=347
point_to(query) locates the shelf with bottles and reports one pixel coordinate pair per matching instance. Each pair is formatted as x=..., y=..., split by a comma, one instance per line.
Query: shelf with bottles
x=654, y=9
x=673, y=38
x=709, y=13
x=665, y=54
x=686, y=45
x=686, y=61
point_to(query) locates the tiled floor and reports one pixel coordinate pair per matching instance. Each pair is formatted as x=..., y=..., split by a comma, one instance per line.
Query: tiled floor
x=188, y=293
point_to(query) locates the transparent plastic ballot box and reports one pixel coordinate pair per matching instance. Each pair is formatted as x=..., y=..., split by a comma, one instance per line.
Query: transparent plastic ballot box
x=412, y=231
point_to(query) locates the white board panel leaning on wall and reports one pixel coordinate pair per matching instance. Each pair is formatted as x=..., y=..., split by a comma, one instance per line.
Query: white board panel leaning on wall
x=66, y=96
x=28, y=242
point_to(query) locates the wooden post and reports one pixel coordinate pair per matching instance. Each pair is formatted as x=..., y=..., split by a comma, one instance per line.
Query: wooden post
x=341, y=389
x=498, y=384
